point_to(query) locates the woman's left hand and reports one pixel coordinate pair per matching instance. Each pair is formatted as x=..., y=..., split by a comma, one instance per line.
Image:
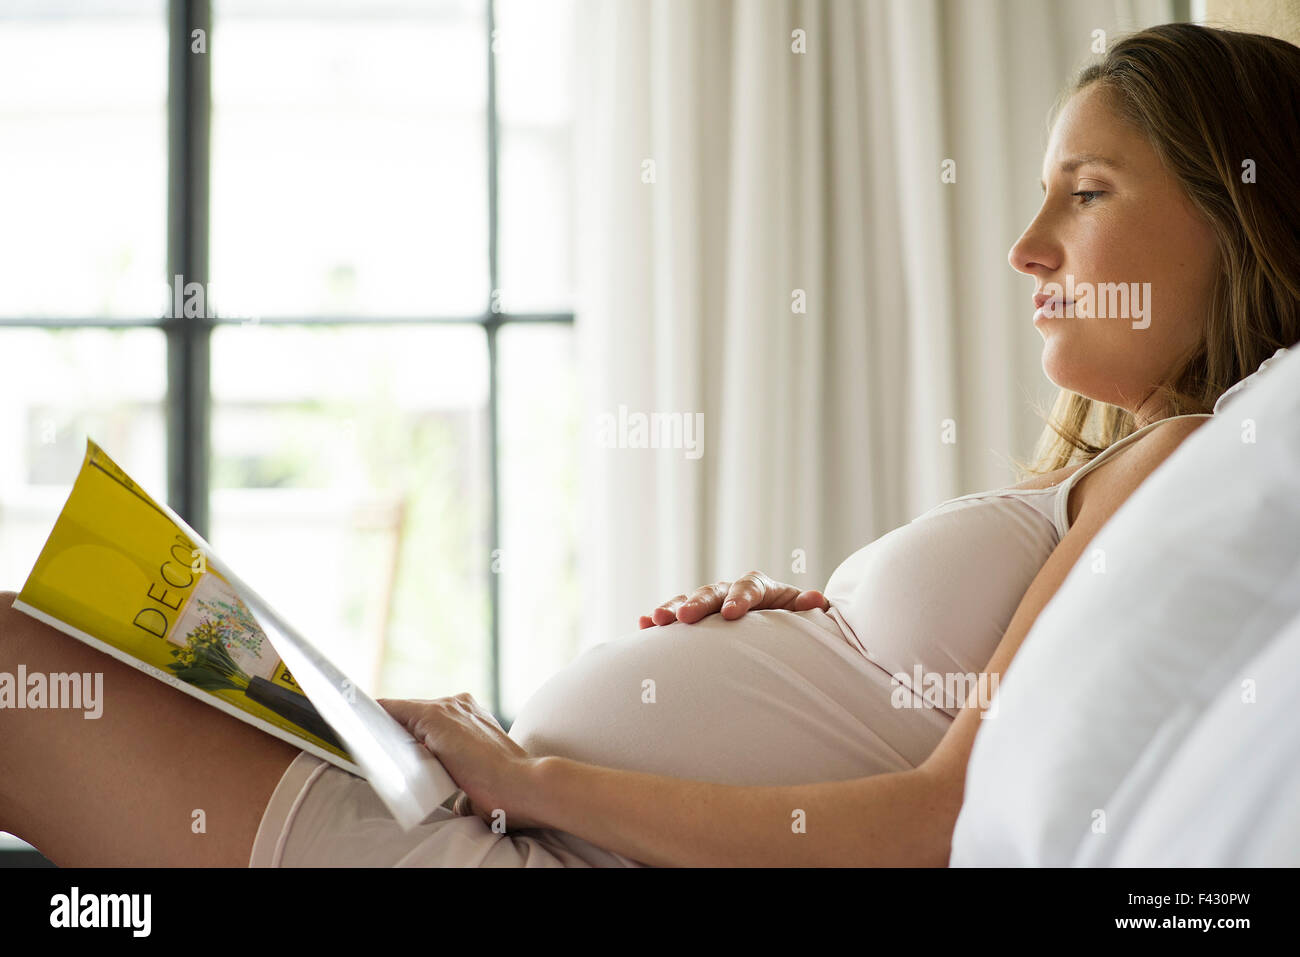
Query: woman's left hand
x=494, y=771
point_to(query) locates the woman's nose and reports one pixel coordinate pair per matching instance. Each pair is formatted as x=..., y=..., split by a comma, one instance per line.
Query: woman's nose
x=1033, y=252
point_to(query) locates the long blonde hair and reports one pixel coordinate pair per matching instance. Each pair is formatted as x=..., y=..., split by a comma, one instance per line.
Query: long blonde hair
x=1208, y=101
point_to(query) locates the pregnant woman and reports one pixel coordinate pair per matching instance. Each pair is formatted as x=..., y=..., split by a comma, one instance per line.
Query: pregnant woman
x=752, y=723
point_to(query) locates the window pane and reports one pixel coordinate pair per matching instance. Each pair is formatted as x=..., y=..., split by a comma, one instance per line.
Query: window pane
x=350, y=489
x=534, y=62
x=60, y=386
x=538, y=422
x=349, y=170
x=83, y=158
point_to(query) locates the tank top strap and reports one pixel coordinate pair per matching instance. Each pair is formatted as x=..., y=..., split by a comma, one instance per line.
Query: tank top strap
x=1113, y=448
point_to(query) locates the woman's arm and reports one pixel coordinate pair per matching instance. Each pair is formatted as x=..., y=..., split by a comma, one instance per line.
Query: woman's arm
x=899, y=818
x=903, y=818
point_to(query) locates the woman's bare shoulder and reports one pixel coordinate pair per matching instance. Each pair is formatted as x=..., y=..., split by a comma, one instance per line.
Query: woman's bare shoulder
x=1105, y=481
x=1177, y=426
x=1049, y=479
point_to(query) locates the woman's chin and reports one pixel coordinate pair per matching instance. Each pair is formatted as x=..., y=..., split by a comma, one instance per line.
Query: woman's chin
x=1057, y=367
x=1062, y=365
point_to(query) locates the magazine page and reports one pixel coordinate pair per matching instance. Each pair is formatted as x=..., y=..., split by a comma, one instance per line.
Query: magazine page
x=126, y=575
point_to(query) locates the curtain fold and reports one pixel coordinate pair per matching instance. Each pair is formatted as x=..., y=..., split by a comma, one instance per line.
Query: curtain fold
x=765, y=242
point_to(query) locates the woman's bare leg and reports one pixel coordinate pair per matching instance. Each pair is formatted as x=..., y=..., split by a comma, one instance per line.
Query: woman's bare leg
x=123, y=789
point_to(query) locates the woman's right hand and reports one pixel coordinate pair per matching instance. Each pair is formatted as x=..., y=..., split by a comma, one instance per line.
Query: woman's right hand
x=733, y=599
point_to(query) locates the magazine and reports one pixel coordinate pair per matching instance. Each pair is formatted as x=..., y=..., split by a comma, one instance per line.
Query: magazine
x=127, y=576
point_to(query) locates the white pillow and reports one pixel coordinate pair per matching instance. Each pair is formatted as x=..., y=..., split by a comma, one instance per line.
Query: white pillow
x=1227, y=798
x=1200, y=574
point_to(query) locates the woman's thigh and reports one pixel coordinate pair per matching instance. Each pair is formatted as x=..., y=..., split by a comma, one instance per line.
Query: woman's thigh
x=159, y=778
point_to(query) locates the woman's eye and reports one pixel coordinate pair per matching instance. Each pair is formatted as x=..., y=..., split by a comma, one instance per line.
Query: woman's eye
x=1091, y=195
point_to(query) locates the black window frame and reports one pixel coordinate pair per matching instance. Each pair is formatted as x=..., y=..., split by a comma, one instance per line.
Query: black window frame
x=188, y=399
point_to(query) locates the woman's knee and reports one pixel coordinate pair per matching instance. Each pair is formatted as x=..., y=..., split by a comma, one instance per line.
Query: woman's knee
x=25, y=640
x=9, y=615
x=15, y=630
x=14, y=633
x=62, y=781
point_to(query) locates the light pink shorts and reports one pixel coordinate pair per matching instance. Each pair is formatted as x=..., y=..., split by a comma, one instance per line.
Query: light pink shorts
x=321, y=816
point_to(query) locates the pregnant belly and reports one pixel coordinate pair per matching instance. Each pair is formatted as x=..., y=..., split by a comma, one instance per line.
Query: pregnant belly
x=776, y=697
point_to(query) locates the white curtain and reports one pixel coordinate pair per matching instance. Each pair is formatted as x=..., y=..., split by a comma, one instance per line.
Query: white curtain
x=722, y=179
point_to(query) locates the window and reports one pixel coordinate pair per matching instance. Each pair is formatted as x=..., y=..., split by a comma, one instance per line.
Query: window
x=374, y=420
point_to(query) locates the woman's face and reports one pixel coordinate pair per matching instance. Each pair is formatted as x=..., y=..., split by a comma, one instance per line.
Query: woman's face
x=1133, y=226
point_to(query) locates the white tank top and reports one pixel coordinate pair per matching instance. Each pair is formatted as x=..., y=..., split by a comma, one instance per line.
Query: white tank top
x=940, y=591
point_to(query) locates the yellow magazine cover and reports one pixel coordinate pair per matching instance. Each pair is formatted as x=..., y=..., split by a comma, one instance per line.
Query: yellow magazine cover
x=118, y=573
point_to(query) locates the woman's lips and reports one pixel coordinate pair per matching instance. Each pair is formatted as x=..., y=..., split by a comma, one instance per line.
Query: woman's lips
x=1055, y=305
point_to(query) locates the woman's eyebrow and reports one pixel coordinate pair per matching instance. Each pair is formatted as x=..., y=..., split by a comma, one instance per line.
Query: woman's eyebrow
x=1072, y=163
